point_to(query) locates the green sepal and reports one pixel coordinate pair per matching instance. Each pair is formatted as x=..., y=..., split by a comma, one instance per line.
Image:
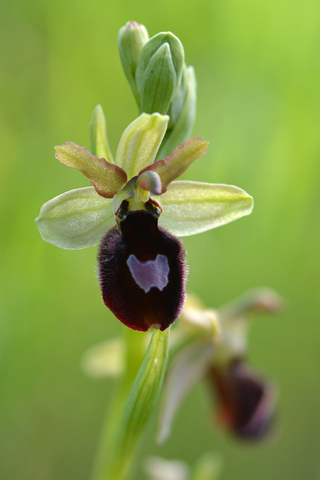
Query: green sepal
x=140, y=142
x=195, y=207
x=76, y=219
x=131, y=40
x=98, y=134
x=172, y=167
x=106, y=177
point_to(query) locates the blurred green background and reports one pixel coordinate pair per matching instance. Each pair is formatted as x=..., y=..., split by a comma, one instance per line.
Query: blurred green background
x=257, y=65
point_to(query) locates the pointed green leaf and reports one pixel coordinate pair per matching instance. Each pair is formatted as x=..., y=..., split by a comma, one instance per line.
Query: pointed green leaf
x=107, y=178
x=172, y=167
x=76, y=219
x=99, y=140
x=140, y=142
x=137, y=411
x=195, y=207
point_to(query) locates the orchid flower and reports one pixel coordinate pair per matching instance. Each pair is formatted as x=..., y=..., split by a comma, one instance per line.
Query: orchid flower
x=217, y=352
x=135, y=210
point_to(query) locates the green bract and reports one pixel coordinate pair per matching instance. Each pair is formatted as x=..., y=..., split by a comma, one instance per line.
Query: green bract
x=143, y=395
x=80, y=218
x=182, y=112
x=140, y=403
x=158, y=73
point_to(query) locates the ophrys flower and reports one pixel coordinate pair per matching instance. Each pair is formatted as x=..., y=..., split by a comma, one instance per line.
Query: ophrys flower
x=214, y=347
x=141, y=264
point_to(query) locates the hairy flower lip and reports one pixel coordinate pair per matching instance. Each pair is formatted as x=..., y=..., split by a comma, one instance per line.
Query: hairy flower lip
x=140, y=291
x=246, y=403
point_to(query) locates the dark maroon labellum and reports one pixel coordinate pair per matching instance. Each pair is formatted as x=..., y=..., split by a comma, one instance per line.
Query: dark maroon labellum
x=142, y=272
x=246, y=402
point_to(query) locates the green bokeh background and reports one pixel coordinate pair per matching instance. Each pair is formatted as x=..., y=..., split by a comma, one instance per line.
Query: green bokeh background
x=257, y=65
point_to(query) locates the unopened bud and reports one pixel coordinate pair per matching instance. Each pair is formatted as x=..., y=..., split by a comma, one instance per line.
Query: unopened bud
x=131, y=40
x=159, y=72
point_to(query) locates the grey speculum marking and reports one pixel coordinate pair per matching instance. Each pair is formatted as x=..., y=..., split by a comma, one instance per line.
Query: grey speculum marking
x=152, y=273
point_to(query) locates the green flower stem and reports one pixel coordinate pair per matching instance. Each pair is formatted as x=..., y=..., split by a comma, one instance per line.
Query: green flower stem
x=134, y=352
x=122, y=433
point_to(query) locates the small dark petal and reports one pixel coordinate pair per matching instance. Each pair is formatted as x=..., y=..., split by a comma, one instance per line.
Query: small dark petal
x=246, y=403
x=142, y=273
